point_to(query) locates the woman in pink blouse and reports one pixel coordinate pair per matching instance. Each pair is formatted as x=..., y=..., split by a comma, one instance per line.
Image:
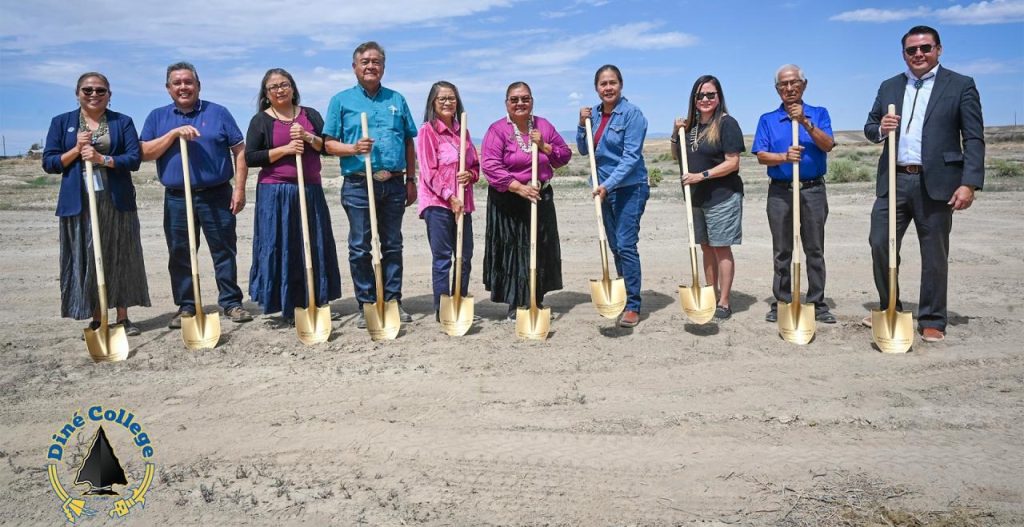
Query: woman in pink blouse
x=507, y=165
x=437, y=146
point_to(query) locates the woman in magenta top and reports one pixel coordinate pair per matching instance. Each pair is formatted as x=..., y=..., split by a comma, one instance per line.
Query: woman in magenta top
x=279, y=131
x=437, y=146
x=506, y=162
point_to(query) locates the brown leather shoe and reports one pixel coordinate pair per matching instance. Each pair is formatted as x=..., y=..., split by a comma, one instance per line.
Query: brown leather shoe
x=932, y=335
x=629, y=319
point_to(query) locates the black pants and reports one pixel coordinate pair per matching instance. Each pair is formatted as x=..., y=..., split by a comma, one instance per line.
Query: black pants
x=813, y=213
x=933, y=221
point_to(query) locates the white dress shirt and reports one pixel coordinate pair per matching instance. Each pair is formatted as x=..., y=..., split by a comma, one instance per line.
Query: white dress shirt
x=908, y=151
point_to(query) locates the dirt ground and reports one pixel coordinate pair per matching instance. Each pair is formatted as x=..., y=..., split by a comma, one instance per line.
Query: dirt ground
x=670, y=423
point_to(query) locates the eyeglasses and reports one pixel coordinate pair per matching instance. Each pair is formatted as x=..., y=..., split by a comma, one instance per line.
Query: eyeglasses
x=368, y=62
x=526, y=99
x=709, y=95
x=446, y=98
x=279, y=86
x=89, y=90
x=912, y=50
x=789, y=83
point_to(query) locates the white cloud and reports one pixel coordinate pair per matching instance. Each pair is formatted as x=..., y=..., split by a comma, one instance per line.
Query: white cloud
x=985, y=12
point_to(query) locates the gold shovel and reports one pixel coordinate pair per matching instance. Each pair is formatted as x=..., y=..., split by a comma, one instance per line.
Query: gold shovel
x=457, y=310
x=796, y=322
x=698, y=302
x=106, y=343
x=313, y=323
x=382, y=318
x=608, y=296
x=202, y=330
x=892, y=331
x=533, y=323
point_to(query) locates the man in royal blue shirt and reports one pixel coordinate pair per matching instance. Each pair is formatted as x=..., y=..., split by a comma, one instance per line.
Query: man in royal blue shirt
x=773, y=145
x=213, y=139
x=393, y=158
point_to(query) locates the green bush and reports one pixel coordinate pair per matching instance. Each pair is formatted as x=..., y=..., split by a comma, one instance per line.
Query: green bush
x=844, y=170
x=655, y=176
x=1006, y=168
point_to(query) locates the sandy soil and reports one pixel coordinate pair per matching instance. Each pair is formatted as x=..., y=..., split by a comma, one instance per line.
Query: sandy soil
x=667, y=424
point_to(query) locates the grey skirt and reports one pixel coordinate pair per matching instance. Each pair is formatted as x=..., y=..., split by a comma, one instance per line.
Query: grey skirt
x=123, y=266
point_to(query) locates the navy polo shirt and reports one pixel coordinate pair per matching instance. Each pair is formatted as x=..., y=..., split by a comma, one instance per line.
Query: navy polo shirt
x=209, y=155
x=775, y=134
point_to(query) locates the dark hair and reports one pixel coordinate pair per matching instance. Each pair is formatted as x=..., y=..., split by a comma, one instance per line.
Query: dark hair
x=181, y=66
x=713, y=132
x=429, y=115
x=922, y=30
x=90, y=74
x=366, y=46
x=517, y=84
x=607, y=67
x=262, y=101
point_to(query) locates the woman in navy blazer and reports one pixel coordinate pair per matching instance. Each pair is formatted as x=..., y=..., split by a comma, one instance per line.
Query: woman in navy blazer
x=108, y=140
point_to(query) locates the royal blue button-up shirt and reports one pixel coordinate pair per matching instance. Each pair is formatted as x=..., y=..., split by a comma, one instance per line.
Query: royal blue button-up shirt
x=389, y=120
x=619, y=154
x=775, y=134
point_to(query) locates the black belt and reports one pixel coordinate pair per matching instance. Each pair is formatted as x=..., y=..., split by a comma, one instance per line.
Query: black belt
x=180, y=192
x=806, y=183
x=909, y=169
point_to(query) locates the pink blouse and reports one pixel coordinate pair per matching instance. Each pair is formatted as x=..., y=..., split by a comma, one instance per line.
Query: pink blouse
x=504, y=161
x=437, y=148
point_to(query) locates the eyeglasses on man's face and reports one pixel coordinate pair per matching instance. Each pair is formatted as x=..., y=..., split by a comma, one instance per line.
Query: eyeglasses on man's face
x=89, y=90
x=788, y=84
x=709, y=95
x=924, y=48
x=525, y=99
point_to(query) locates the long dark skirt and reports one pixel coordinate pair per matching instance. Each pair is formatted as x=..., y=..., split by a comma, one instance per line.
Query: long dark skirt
x=507, y=247
x=123, y=266
x=277, y=280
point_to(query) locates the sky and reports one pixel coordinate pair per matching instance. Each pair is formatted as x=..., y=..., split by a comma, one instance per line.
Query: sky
x=846, y=49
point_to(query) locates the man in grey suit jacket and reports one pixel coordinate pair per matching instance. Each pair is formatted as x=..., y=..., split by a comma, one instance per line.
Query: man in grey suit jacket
x=940, y=164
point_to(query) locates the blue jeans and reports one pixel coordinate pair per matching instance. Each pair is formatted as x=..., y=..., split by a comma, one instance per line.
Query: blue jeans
x=390, y=200
x=441, y=236
x=622, y=209
x=213, y=217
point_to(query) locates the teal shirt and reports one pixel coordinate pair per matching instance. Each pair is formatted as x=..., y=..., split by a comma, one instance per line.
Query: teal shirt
x=388, y=118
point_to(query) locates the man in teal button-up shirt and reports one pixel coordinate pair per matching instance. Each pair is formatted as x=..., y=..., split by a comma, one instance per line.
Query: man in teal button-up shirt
x=393, y=158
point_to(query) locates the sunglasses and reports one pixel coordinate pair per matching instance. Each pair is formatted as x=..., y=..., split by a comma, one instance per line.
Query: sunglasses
x=912, y=50
x=89, y=90
x=526, y=99
x=710, y=95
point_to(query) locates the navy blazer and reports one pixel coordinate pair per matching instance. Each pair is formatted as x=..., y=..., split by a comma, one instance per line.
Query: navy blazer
x=124, y=148
x=953, y=138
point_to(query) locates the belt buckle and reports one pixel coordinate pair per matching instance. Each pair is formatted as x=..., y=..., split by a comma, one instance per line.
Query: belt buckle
x=382, y=175
x=912, y=169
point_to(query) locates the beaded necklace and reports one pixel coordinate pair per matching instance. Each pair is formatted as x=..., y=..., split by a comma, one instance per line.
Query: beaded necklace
x=295, y=110
x=102, y=128
x=525, y=147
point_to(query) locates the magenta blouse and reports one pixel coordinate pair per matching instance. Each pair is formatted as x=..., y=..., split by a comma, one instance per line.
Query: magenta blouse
x=502, y=160
x=284, y=171
x=437, y=148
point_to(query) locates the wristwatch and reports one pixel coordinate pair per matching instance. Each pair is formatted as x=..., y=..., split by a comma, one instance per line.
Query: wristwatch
x=108, y=161
x=706, y=174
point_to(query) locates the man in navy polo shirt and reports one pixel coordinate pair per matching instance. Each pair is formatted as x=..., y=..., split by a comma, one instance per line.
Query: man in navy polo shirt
x=213, y=139
x=393, y=158
x=773, y=145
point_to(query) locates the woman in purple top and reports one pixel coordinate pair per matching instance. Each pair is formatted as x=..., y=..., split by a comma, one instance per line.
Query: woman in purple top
x=506, y=163
x=437, y=146
x=282, y=129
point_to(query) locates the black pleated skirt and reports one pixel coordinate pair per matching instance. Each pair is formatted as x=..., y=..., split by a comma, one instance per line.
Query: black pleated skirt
x=506, y=270
x=123, y=266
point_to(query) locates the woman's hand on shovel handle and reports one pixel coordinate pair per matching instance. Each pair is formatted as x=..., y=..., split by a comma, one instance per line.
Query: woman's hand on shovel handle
x=525, y=191
x=585, y=113
x=600, y=191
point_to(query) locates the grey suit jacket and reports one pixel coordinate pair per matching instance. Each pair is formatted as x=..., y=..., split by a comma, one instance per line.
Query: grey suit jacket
x=953, y=138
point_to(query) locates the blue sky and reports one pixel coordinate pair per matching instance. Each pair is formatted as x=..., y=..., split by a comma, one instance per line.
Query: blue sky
x=846, y=48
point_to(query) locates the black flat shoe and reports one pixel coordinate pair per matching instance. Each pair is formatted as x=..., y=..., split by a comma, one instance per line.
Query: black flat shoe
x=130, y=328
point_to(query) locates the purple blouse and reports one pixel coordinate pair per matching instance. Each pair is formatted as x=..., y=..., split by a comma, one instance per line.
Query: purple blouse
x=502, y=161
x=284, y=171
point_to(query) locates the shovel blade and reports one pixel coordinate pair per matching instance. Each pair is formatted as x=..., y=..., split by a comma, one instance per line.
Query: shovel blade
x=698, y=302
x=892, y=332
x=533, y=326
x=796, y=322
x=456, y=316
x=382, y=326
x=313, y=325
x=201, y=335
x=608, y=296
x=112, y=347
